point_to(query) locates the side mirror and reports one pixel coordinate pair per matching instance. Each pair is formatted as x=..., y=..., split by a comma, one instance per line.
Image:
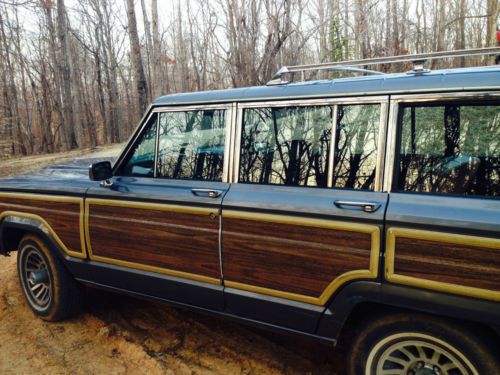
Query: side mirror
x=100, y=171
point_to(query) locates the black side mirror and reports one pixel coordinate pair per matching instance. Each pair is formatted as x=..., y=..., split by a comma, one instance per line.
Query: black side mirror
x=101, y=171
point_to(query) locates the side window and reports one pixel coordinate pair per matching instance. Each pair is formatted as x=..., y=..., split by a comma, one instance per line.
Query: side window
x=356, y=148
x=191, y=145
x=142, y=158
x=450, y=148
x=286, y=145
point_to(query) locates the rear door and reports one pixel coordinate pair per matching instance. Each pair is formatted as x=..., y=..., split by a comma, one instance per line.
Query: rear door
x=443, y=218
x=156, y=229
x=305, y=214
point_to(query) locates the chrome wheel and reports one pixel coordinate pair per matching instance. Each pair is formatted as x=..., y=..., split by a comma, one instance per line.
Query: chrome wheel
x=36, y=280
x=417, y=354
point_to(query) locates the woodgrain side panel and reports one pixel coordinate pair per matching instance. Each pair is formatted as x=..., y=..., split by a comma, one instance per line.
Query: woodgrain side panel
x=451, y=263
x=62, y=214
x=301, y=259
x=178, y=242
x=472, y=266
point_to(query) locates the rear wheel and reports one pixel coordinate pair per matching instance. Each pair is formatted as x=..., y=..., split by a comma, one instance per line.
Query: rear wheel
x=49, y=288
x=408, y=344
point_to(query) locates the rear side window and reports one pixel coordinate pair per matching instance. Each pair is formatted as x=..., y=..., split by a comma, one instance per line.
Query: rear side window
x=191, y=145
x=286, y=145
x=451, y=148
x=356, y=145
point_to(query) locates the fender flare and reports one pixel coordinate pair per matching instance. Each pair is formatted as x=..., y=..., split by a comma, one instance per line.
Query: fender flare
x=405, y=297
x=28, y=223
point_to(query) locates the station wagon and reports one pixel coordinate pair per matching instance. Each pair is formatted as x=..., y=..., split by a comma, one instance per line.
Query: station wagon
x=362, y=210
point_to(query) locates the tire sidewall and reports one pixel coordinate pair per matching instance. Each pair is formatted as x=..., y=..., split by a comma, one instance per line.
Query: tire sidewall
x=380, y=330
x=31, y=242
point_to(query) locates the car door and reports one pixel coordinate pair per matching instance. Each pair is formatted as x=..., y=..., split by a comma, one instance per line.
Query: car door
x=305, y=214
x=155, y=230
x=443, y=220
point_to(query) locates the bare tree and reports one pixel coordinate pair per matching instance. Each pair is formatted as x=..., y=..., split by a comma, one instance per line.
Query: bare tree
x=136, y=57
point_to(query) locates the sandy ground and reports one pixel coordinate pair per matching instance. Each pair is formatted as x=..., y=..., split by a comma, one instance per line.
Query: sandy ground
x=121, y=335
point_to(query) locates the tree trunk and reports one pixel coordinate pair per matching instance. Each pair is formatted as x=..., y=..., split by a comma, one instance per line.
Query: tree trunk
x=138, y=68
x=65, y=71
x=156, y=83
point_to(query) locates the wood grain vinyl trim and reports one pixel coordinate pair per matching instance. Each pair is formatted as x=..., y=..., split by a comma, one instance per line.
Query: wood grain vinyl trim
x=150, y=206
x=50, y=198
x=448, y=238
x=340, y=280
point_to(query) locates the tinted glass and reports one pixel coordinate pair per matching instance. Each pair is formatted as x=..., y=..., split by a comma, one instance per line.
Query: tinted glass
x=356, y=146
x=286, y=146
x=450, y=148
x=191, y=145
x=142, y=159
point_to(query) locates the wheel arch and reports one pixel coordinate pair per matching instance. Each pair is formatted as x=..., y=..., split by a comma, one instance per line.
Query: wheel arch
x=362, y=299
x=14, y=228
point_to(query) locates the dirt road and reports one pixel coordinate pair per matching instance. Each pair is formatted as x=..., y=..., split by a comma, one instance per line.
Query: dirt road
x=121, y=335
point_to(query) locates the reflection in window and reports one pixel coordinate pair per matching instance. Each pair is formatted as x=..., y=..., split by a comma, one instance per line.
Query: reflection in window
x=191, y=145
x=287, y=146
x=142, y=159
x=450, y=148
x=356, y=146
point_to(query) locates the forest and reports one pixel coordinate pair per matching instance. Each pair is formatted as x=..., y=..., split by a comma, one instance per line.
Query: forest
x=81, y=73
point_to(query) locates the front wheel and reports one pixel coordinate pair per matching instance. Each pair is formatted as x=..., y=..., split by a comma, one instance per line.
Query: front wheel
x=414, y=344
x=49, y=288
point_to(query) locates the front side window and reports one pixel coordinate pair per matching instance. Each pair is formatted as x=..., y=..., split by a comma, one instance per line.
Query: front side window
x=286, y=145
x=191, y=145
x=142, y=158
x=450, y=148
x=356, y=146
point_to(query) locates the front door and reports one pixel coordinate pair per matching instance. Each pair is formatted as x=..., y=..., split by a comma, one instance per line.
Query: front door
x=157, y=226
x=305, y=217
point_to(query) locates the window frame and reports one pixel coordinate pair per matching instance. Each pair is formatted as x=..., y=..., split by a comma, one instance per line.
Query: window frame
x=382, y=100
x=157, y=111
x=394, y=131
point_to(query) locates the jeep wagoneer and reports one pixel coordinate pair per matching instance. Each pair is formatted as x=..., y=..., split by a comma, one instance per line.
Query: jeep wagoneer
x=369, y=202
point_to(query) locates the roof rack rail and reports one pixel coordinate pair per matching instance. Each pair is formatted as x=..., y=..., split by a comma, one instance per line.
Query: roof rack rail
x=418, y=60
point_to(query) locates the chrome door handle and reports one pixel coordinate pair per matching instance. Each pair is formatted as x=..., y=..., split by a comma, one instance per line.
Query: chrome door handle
x=208, y=193
x=365, y=206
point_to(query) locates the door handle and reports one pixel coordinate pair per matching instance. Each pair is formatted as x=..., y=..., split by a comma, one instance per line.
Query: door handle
x=365, y=206
x=207, y=193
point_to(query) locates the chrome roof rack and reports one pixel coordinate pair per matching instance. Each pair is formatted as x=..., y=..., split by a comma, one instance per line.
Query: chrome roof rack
x=417, y=59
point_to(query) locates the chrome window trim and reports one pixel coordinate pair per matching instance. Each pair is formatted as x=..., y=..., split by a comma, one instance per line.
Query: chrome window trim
x=227, y=145
x=396, y=100
x=381, y=144
x=234, y=117
x=333, y=139
x=310, y=102
x=391, y=146
x=198, y=107
x=237, y=145
x=417, y=98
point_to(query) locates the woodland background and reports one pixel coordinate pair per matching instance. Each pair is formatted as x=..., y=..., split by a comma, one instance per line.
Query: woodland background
x=81, y=73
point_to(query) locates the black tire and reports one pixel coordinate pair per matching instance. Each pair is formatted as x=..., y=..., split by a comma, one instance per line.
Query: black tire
x=407, y=343
x=51, y=291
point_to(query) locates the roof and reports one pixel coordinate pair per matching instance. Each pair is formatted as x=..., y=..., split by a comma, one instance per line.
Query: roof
x=462, y=79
